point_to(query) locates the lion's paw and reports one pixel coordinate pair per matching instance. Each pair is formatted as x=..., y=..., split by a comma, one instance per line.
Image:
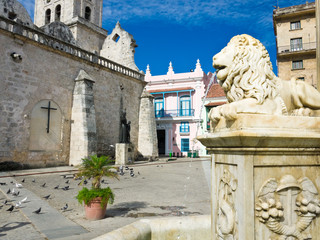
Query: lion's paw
x=302, y=112
x=229, y=111
x=214, y=114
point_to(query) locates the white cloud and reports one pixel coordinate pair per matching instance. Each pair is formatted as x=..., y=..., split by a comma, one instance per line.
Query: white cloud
x=192, y=12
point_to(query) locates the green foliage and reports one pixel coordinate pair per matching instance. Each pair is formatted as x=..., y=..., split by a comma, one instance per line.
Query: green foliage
x=96, y=167
x=86, y=196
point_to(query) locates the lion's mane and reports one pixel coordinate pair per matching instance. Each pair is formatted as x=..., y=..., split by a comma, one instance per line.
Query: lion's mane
x=251, y=74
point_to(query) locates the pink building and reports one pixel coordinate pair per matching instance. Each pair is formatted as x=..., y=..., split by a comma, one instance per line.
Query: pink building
x=178, y=101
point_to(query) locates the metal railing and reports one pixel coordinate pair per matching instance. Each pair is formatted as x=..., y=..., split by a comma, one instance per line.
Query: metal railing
x=174, y=113
x=42, y=38
x=297, y=47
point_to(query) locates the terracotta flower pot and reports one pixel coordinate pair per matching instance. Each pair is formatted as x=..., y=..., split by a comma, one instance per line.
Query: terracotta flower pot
x=94, y=211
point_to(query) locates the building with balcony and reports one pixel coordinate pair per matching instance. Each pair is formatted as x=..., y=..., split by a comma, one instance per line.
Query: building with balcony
x=214, y=97
x=178, y=100
x=295, y=31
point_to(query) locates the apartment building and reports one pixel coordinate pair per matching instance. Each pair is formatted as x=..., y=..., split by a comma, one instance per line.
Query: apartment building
x=295, y=31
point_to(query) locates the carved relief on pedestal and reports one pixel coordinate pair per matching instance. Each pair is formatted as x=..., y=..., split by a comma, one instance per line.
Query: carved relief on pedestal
x=226, y=215
x=288, y=207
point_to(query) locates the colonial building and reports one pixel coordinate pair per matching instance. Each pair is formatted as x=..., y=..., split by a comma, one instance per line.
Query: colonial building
x=214, y=97
x=178, y=100
x=295, y=31
x=64, y=83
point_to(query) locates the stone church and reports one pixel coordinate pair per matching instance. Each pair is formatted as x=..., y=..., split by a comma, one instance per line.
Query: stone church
x=64, y=83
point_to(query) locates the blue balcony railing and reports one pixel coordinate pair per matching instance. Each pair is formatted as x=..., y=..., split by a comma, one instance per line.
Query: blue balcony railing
x=174, y=113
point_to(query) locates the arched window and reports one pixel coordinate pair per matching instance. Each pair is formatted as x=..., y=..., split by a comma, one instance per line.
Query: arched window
x=159, y=107
x=58, y=13
x=48, y=16
x=185, y=105
x=87, y=13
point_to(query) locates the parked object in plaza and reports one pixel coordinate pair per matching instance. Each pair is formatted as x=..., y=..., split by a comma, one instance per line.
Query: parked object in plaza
x=97, y=198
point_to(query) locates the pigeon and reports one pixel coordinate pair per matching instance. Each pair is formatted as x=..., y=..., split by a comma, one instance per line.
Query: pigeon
x=138, y=173
x=65, y=207
x=10, y=209
x=23, y=200
x=5, y=202
x=33, y=180
x=9, y=191
x=102, y=181
x=1, y=206
x=3, y=183
x=18, y=185
x=11, y=182
x=18, y=204
x=127, y=168
x=22, y=180
x=85, y=182
x=56, y=187
x=66, y=188
x=37, y=211
x=43, y=185
x=132, y=174
x=15, y=193
x=47, y=197
x=67, y=182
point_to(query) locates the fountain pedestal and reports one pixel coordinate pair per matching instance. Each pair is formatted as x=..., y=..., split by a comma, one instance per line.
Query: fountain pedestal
x=265, y=177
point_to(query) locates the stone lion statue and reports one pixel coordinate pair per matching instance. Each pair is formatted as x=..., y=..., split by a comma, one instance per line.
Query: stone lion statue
x=245, y=73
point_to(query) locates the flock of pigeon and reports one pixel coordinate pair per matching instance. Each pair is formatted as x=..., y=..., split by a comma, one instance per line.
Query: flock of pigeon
x=14, y=191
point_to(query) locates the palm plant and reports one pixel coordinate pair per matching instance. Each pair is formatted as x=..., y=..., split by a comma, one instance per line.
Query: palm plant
x=96, y=167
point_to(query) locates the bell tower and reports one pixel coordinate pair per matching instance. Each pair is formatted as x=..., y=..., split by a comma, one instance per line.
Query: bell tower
x=83, y=17
x=47, y=11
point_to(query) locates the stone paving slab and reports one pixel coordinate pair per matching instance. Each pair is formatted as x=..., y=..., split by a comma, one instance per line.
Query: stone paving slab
x=49, y=221
x=158, y=189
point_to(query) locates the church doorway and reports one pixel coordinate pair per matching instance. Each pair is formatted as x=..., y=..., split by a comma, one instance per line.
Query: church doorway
x=161, y=134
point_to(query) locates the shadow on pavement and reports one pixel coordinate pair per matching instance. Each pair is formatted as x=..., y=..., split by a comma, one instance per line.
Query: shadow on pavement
x=11, y=226
x=122, y=209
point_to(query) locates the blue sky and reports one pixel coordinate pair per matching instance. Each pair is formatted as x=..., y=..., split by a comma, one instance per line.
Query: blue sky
x=183, y=31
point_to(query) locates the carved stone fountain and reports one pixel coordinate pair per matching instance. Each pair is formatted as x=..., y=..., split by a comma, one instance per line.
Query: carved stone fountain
x=265, y=149
x=265, y=146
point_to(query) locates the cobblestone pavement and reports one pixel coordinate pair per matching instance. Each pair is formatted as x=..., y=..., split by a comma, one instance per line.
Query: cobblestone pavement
x=158, y=189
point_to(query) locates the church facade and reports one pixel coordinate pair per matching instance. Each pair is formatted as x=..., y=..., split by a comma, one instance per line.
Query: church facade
x=64, y=83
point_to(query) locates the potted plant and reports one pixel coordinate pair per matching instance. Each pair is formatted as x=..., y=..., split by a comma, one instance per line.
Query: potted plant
x=95, y=199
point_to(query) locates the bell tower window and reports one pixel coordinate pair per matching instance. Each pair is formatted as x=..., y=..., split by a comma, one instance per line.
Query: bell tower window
x=87, y=13
x=58, y=13
x=48, y=16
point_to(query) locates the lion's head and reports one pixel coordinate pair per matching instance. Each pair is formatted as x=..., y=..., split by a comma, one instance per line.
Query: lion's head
x=244, y=70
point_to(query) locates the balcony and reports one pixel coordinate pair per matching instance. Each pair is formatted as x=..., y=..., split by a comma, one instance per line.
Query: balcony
x=174, y=113
x=296, y=48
